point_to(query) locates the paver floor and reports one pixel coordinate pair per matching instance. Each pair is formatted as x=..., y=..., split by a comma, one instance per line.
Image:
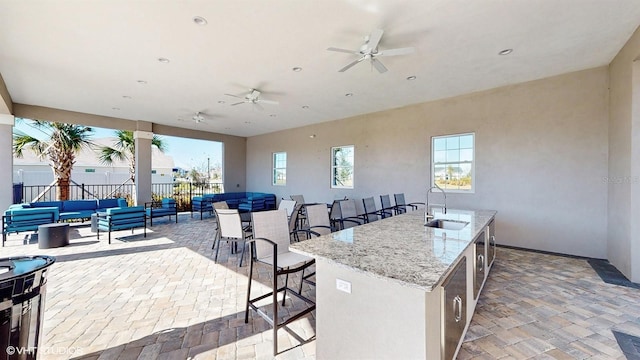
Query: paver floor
x=163, y=297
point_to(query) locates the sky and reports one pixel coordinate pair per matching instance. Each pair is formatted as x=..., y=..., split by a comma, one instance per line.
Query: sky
x=186, y=153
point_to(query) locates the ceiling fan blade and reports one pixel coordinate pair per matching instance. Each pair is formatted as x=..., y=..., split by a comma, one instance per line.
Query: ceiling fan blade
x=351, y=64
x=235, y=96
x=374, y=38
x=272, y=102
x=395, y=52
x=378, y=65
x=257, y=106
x=238, y=103
x=343, y=50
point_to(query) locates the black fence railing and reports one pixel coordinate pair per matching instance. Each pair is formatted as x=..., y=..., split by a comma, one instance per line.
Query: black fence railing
x=180, y=192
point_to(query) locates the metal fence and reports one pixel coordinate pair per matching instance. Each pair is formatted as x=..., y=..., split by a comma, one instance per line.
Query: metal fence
x=181, y=192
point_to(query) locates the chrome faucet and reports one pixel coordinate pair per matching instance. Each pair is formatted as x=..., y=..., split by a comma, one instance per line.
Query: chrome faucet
x=428, y=216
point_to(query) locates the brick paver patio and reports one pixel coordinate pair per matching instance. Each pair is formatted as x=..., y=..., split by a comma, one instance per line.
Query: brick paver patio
x=163, y=297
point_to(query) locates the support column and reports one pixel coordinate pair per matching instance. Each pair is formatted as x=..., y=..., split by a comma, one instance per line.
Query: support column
x=143, y=163
x=6, y=161
x=634, y=181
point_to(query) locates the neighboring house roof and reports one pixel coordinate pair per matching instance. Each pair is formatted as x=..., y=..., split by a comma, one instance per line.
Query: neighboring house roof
x=89, y=157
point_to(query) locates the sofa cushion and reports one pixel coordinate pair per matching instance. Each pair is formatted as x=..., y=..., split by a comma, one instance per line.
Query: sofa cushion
x=57, y=204
x=80, y=205
x=104, y=204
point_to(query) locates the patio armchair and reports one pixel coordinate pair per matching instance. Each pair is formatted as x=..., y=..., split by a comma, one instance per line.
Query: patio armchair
x=122, y=219
x=271, y=248
x=165, y=207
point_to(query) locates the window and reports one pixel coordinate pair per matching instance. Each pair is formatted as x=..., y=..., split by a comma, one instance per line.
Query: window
x=280, y=168
x=452, y=162
x=342, y=167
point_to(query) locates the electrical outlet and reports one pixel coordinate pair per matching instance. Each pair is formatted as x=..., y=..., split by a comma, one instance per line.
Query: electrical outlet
x=343, y=286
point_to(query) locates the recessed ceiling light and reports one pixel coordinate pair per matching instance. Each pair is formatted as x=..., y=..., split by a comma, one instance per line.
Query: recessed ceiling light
x=305, y=106
x=163, y=60
x=297, y=69
x=115, y=108
x=247, y=122
x=199, y=20
x=348, y=94
x=142, y=82
x=221, y=101
x=412, y=77
x=273, y=115
x=126, y=97
x=505, y=52
x=312, y=136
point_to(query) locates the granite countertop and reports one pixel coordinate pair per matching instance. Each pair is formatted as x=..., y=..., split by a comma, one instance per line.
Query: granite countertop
x=400, y=248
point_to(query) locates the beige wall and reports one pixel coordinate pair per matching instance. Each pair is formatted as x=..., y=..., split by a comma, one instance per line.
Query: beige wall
x=624, y=153
x=541, y=150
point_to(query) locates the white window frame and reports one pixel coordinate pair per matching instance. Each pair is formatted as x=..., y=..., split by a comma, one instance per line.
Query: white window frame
x=275, y=169
x=446, y=163
x=334, y=184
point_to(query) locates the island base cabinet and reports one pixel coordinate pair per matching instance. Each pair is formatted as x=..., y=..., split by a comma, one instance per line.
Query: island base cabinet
x=378, y=319
x=359, y=316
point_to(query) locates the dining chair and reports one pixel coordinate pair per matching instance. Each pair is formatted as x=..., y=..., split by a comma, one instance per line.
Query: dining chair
x=294, y=222
x=271, y=248
x=299, y=199
x=370, y=212
x=218, y=205
x=288, y=205
x=302, y=217
x=349, y=214
x=401, y=205
x=231, y=229
x=387, y=208
x=319, y=224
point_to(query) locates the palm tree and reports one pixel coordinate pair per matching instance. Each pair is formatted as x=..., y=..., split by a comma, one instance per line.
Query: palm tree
x=63, y=143
x=124, y=149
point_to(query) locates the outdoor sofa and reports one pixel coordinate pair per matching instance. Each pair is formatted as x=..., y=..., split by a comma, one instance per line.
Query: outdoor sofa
x=28, y=216
x=243, y=201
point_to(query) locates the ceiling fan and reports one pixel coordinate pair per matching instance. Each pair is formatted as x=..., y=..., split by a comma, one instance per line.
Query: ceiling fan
x=253, y=97
x=369, y=51
x=198, y=118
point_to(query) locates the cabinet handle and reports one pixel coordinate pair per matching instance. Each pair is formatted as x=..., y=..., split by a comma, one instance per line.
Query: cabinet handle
x=493, y=240
x=481, y=263
x=458, y=312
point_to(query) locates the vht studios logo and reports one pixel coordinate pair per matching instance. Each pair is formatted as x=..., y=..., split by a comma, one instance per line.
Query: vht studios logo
x=13, y=350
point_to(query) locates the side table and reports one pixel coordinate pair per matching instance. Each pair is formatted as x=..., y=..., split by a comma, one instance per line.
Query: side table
x=53, y=235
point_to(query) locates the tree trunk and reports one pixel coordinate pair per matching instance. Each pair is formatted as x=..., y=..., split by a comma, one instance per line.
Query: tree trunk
x=62, y=189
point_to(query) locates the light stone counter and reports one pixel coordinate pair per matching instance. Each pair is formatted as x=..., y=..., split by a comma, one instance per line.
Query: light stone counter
x=400, y=248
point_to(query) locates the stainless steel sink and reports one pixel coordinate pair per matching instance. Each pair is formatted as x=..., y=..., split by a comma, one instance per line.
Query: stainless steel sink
x=447, y=224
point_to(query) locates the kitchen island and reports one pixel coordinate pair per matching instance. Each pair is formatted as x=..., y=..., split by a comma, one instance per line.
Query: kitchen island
x=395, y=288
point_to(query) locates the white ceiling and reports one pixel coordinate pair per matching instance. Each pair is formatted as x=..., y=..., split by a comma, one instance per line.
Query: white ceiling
x=86, y=56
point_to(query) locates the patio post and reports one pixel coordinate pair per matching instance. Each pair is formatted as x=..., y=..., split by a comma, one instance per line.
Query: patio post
x=6, y=160
x=142, y=187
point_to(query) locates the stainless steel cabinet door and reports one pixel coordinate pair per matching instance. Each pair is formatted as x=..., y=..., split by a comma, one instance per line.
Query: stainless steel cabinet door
x=455, y=308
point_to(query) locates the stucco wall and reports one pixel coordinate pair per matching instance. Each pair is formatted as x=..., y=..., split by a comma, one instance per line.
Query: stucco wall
x=541, y=158
x=624, y=189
